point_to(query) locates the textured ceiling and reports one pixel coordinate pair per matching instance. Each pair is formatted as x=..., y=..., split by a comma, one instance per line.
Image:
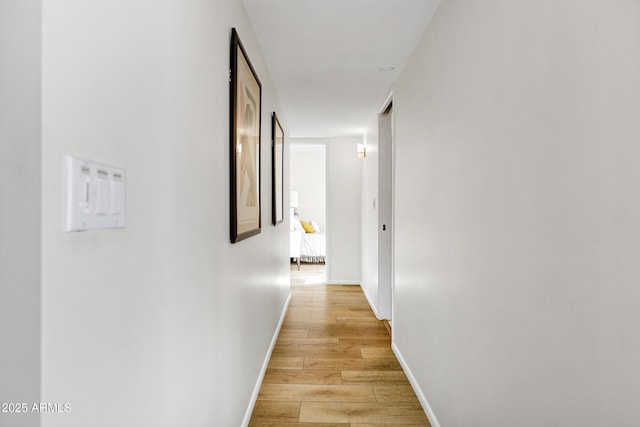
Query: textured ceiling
x=324, y=57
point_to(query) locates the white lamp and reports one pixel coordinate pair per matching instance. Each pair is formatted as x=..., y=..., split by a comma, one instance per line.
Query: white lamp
x=293, y=201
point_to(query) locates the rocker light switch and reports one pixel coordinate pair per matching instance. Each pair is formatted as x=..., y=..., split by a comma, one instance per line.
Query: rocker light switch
x=96, y=196
x=117, y=194
x=103, y=203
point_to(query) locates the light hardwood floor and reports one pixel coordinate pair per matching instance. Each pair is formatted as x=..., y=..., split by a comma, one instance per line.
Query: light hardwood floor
x=333, y=366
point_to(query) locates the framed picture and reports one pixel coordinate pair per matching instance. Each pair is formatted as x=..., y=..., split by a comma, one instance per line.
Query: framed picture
x=246, y=111
x=277, y=170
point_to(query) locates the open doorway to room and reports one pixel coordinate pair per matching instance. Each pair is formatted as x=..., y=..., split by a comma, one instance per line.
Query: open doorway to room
x=308, y=213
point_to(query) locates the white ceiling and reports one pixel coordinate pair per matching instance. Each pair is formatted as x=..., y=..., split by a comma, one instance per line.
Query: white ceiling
x=324, y=57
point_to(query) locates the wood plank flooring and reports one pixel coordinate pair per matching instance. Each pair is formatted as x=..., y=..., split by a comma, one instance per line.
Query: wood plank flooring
x=333, y=366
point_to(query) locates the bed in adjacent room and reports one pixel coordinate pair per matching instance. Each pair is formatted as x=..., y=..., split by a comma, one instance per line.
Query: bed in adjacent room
x=313, y=246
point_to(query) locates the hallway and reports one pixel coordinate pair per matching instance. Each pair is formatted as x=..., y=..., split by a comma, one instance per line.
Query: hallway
x=333, y=366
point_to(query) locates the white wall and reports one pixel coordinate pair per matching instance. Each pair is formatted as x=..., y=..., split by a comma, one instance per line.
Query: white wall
x=343, y=207
x=376, y=209
x=517, y=300
x=20, y=209
x=309, y=178
x=163, y=323
x=369, y=220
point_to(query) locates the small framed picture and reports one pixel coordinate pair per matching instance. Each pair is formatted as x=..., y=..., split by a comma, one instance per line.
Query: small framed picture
x=277, y=170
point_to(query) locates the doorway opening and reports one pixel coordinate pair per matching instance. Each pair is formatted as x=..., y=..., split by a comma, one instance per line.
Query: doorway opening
x=308, y=219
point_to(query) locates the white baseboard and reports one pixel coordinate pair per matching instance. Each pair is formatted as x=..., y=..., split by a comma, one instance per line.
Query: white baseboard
x=370, y=301
x=343, y=282
x=256, y=389
x=416, y=388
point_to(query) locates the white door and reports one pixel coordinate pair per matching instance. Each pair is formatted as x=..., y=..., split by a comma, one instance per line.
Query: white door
x=385, y=201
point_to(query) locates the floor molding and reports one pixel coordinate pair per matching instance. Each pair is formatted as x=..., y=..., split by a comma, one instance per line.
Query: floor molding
x=256, y=389
x=416, y=388
x=343, y=282
x=370, y=301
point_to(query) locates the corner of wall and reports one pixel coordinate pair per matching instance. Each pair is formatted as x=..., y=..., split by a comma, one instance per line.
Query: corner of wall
x=365, y=291
x=416, y=386
x=265, y=364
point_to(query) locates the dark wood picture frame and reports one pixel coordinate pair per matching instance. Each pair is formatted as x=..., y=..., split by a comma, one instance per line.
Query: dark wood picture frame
x=277, y=170
x=246, y=117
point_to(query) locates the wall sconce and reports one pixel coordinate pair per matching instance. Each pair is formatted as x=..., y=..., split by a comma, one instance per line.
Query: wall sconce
x=362, y=151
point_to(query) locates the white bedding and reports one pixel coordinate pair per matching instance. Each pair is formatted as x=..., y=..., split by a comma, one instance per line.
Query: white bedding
x=313, y=247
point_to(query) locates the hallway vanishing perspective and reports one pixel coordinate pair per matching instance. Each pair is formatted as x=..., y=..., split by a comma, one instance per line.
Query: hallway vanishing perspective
x=333, y=366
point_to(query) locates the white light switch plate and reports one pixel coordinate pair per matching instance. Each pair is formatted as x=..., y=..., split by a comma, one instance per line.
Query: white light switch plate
x=96, y=195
